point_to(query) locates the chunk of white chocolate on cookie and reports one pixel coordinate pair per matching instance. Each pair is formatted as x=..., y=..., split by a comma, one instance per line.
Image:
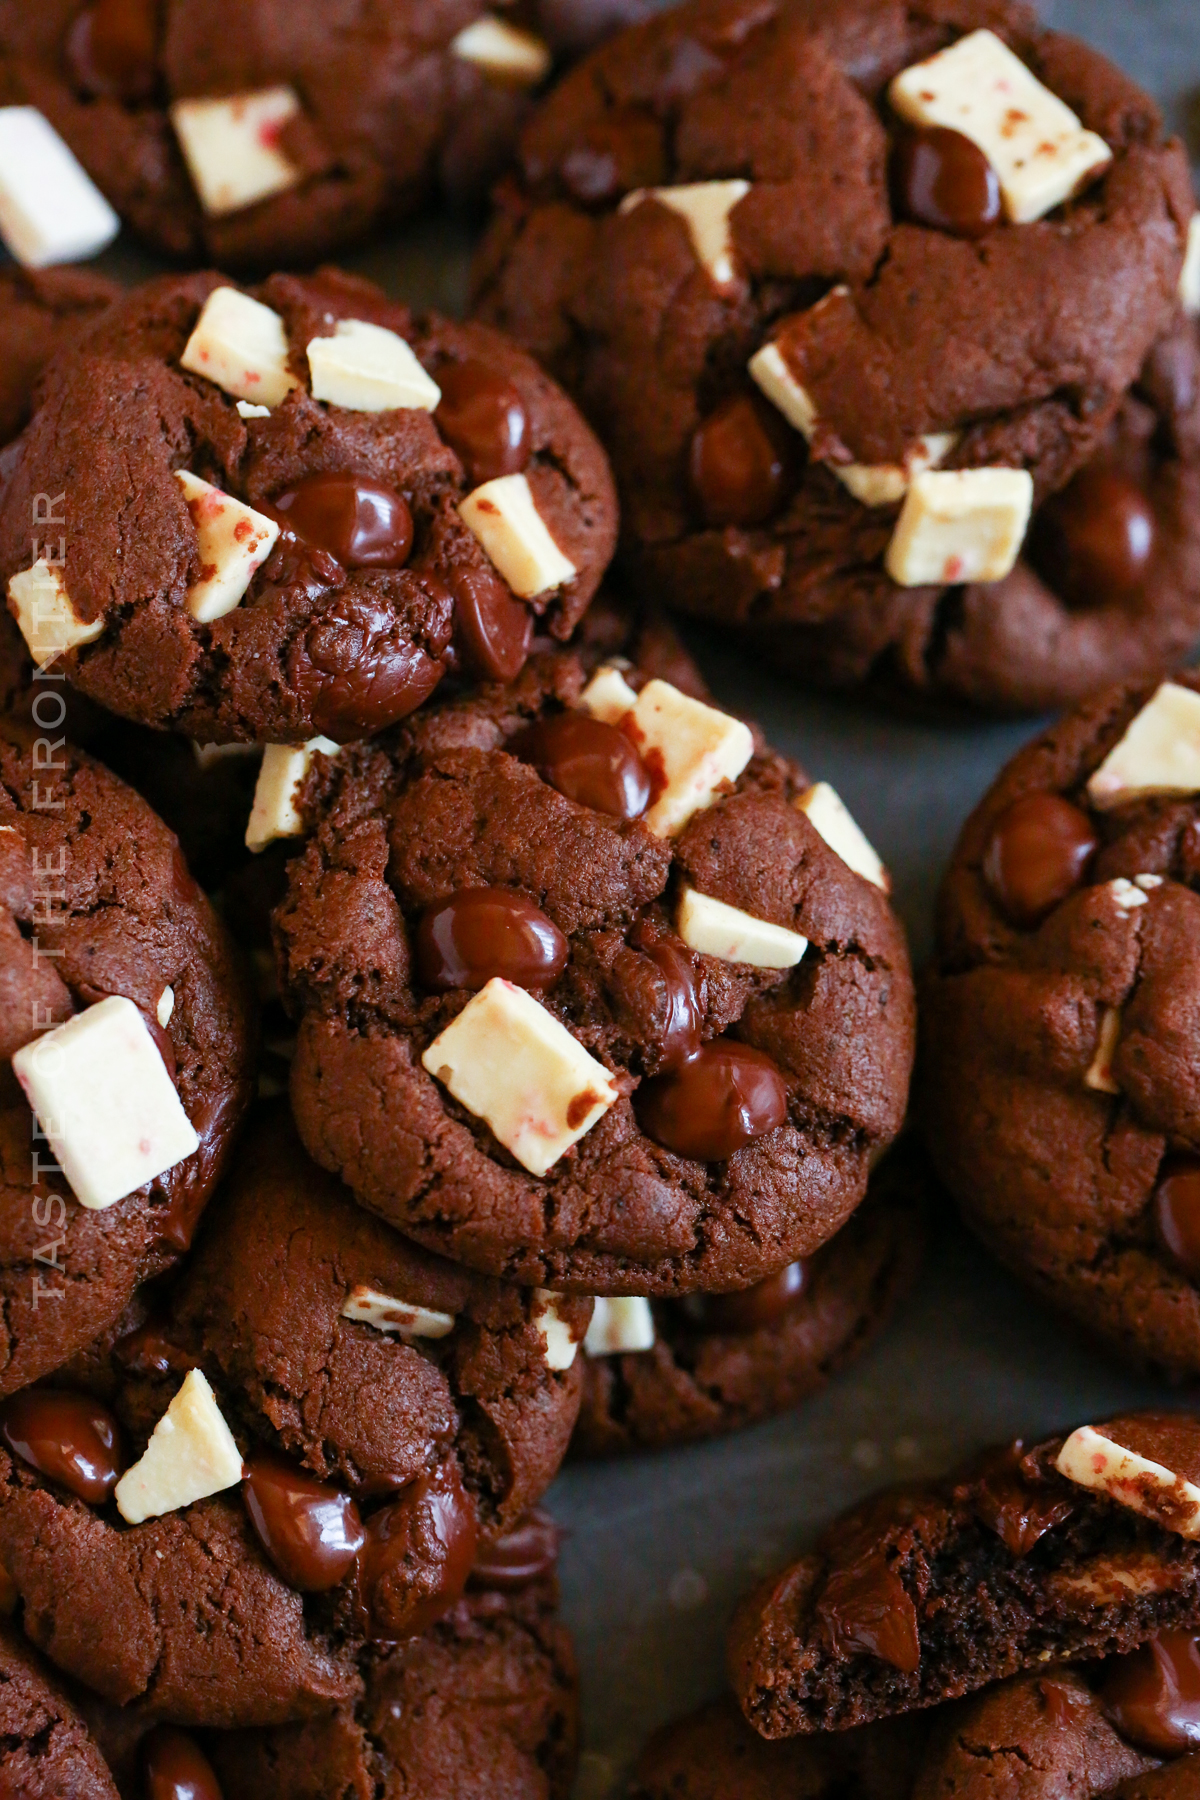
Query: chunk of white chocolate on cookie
x=104, y=1099
x=694, y=751
x=505, y=54
x=621, y=1325
x=508, y=1060
x=960, y=525
x=1038, y=147
x=561, y=1347
x=191, y=1454
x=233, y=542
x=704, y=207
x=232, y=147
x=504, y=517
x=51, y=211
x=1159, y=753
x=282, y=774
x=41, y=605
x=241, y=345
x=1134, y=1474
x=386, y=1312
x=1099, y=1076
x=1189, y=275
x=716, y=929
x=832, y=820
x=367, y=368
x=608, y=696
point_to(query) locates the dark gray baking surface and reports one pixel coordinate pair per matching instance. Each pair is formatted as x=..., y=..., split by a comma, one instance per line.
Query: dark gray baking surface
x=661, y=1546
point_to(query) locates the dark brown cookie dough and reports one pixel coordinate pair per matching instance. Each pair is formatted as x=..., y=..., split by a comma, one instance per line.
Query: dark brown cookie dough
x=443, y=806
x=1026, y=341
x=40, y=309
x=933, y=1590
x=721, y=1361
x=46, y=1752
x=119, y=915
x=1045, y=938
x=318, y=645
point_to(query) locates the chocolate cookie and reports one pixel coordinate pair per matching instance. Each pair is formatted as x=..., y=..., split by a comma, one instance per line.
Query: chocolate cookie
x=246, y=133
x=1060, y=1091
x=711, y=1363
x=1083, y=1546
x=837, y=349
x=585, y=996
x=126, y=1018
x=46, y=1752
x=296, y=563
x=40, y=310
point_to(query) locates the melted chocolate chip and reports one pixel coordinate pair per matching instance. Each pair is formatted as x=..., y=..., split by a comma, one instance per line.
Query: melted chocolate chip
x=483, y=419
x=523, y=1555
x=492, y=628
x=417, y=1556
x=477, y=933
x=310, y=1530
x=360, y=523
x=112, y=49
x=738, y=464
x=1153, y=1696
x=679, y=1031
x=766, y=1303
x=865, y=1608
x=714, y=1104
x=69, y=1438
x=941, y=179
x=1094, y=542
x=175, y=1768
x=1177, y=1212
x=1038, y=853
x=590, y=762
x=1008, y=1504
x=365, y=670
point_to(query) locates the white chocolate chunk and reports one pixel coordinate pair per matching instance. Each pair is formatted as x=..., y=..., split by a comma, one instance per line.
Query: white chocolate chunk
x=248, y=410
x=274, y=813
x=191, y=1454
x=42, y=608
x=1189, y=278
x=231, y=147
x=960, y=525
x=1159, y=754
x=620, y=1325
x=1039, y=149
x=561, y=1347
x=165, y=1007
x=829, y=816
x=503, y=53
x=106, y=1102
x=1148, y=883
x=503, y=515
x=874, y=484
x=1100, y=1075
x=209, y=755
x=697, y=751
x=51, y=211
x=716, y=929
x=241, y=345
x=1092, y=1460
x=386, y=1313
x=233, y=540
x=608, y=696
x=704, y=207
x=1127, y=895
x=508, y=1060
x=367, y=368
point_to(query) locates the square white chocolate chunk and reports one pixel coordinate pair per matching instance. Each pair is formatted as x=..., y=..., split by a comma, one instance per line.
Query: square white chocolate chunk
x=385, y=1312
x=1035, y=143
x=503, y=515
x=233, y=542
x=1099, y=1076
x=561, y=1347
x=696, y=751
x=241, y=345
x=504, y=53
x=191, y=1454
x=42, y=608
x=274, y=813
x=231, y=147
x=51, y=211
x=165, y=1007
x=621, y=1325
x=1159, y=754
x=367, y=368
x=960, y=525
x=704, y=207
x=101, y=1091
x=829, y=816
x=1092, y=1460
x=608, y=696
x=715, y=929
x=510, y=1062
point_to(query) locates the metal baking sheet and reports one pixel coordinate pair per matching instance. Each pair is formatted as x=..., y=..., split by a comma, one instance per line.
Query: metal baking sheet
x=660, y=1547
